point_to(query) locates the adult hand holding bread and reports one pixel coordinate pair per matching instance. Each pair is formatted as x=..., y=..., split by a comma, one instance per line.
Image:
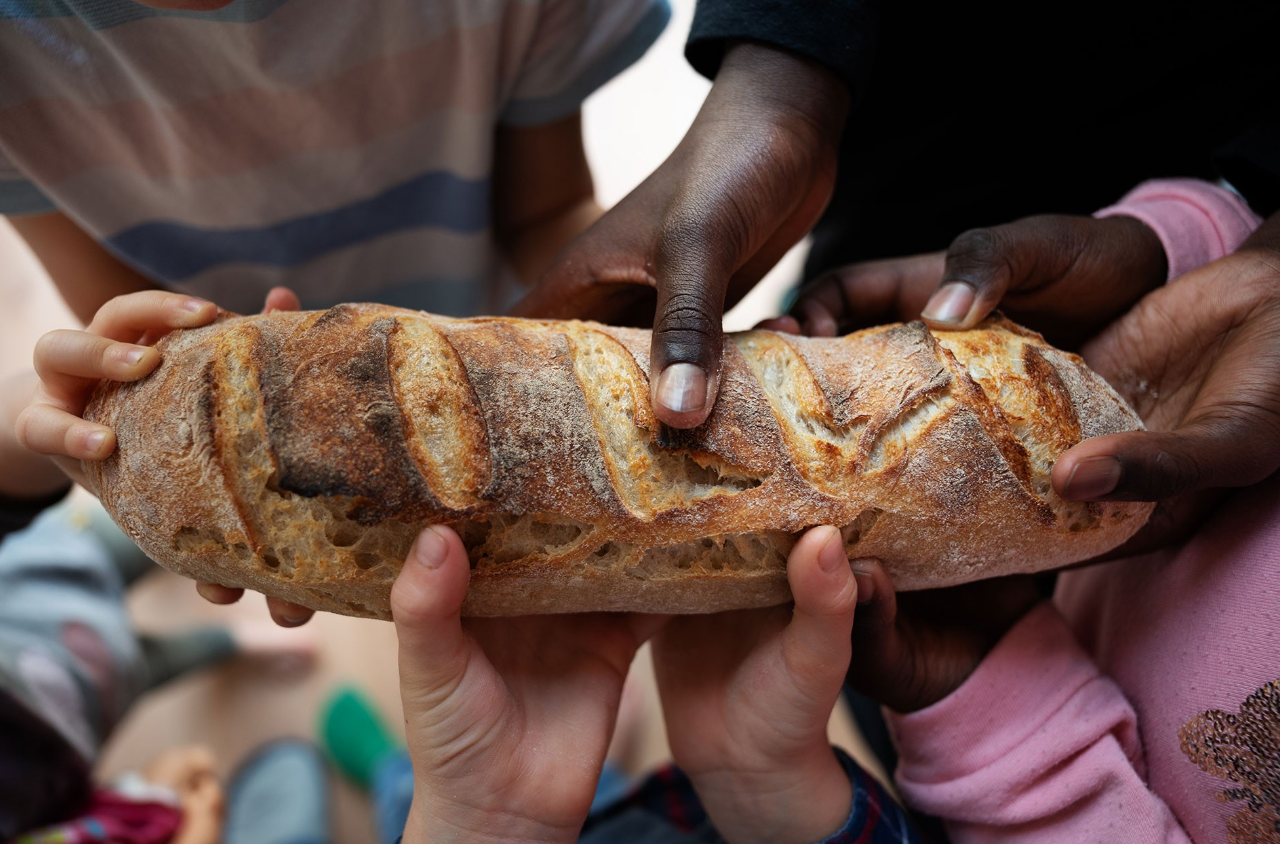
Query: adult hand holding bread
x=749, y=179
x=1198, y=357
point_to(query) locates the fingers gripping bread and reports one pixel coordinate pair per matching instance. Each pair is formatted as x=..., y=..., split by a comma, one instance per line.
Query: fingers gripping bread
x=298, y=454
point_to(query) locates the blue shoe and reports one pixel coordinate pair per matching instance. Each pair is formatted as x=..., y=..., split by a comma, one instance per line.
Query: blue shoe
x=279, y=795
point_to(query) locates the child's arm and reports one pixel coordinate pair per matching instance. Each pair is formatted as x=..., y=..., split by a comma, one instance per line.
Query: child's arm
x=543, y=196
x=87, y=275
x=747, y=697
x=1027, y=742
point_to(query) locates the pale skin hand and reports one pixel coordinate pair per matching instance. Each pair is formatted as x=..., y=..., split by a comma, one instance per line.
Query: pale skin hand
x=507, y=719
x=117, y=346
x=114, y=347
x=747, y=696
x=190, y=771
x=23, y=474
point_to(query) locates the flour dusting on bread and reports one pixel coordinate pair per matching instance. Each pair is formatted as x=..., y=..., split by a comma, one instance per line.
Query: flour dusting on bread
x=299, y=454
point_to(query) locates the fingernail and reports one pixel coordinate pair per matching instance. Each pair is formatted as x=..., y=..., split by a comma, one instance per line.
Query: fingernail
x=194, y=306
x=831, y=557
x=94, y=441
x=950, y=304
x=430, y=549
x=294, y=619
x=1093, y=477
x=131, y=356
x=682, y=388
x=866, y=581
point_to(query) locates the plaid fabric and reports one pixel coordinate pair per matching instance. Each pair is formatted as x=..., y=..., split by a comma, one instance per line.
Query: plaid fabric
x=667, y=796
x=663, y=809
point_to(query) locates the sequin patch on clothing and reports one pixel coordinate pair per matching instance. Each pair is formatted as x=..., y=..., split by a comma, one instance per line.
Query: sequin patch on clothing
x=1244, y=748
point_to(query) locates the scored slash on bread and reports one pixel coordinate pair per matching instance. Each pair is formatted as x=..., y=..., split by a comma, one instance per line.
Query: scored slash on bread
x=299, y=454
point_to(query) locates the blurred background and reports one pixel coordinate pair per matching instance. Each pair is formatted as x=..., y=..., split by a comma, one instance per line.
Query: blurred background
x=631, y=125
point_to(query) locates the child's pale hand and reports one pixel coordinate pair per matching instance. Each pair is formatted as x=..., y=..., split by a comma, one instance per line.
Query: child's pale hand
x=114, y=347
x=747, y=696
x=507, y=719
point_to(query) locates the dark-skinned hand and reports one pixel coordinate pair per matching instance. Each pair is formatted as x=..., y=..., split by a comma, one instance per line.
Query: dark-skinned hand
x=749, y=179
x=1198, y=358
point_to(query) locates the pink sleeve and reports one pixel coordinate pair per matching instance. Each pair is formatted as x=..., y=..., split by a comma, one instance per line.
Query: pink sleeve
x=1197, y=222
x=1036, y=745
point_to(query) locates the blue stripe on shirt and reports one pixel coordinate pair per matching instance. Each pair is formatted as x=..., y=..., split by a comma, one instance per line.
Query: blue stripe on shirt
x=174, y=251
x=104, y=14
x=18, y=196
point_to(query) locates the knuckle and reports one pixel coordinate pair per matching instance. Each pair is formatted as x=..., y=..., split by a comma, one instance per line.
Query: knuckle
x=1169, y=473
x=24, y=427
x=979, y=247
x=983, y=258
x=113, y=306
x=688, y=312
x=407, y=605
x=845, y=600
x=686, y=331
x=47, y=350
x=705, y=235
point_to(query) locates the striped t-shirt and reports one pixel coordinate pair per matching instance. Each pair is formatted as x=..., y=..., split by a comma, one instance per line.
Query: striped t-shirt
x=341, y=148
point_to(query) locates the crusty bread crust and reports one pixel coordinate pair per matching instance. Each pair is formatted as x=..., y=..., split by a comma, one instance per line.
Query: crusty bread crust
x=299, y=454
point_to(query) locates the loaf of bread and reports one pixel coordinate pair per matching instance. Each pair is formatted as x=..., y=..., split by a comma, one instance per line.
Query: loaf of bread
x=299, y=454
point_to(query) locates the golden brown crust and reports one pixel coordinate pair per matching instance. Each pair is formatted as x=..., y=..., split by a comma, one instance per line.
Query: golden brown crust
x=298, y=454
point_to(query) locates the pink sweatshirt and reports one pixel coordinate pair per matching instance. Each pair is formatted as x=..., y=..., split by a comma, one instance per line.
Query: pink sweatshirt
x=1143, y=703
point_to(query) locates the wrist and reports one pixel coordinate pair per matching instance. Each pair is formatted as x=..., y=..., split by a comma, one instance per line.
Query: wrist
x=800, y=804
x=777, y=81
x=437, y=822
x=1194, y=222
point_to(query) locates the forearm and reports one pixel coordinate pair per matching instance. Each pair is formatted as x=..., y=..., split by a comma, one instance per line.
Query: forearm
x=85, y=273
x=1265, y=237
x=1196, y=222
x=1037, y=744
x=532, y=249
x=543, y=193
